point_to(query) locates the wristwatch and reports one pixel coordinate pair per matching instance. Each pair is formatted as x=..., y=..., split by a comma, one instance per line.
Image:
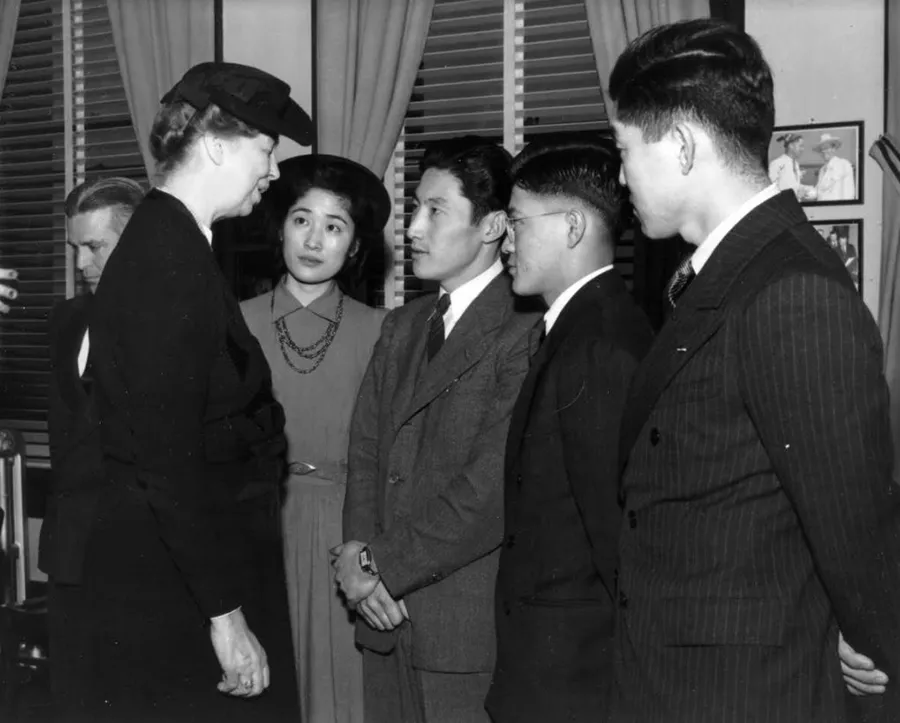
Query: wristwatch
x=367, y=561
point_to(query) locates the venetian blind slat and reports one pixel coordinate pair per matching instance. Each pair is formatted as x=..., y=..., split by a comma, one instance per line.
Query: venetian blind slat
x=32, y=226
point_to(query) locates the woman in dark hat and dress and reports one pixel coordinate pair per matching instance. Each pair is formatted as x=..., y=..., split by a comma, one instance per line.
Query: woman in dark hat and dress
x=183, y=564
x=326, y=215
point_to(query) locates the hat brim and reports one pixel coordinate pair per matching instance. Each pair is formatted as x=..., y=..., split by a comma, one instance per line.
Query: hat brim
x=828, y=144
x=370, y=184
x=293, y=123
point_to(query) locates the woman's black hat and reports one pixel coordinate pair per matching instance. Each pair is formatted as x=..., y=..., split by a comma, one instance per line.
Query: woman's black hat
x=259, y=99
x=365, y=181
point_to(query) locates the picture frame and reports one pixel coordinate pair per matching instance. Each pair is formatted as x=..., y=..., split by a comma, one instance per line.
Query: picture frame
x=845, y=236
x=821, y=162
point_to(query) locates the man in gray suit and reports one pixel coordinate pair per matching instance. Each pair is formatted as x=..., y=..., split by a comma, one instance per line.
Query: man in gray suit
x=423, y=511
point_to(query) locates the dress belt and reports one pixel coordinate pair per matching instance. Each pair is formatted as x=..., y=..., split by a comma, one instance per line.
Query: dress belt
x=333, y=472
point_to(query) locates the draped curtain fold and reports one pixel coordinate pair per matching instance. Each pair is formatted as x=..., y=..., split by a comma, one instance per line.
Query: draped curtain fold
x=887, y=153
x=615, y=23
x=156, y=42
x=367, y=54
x=9, y=18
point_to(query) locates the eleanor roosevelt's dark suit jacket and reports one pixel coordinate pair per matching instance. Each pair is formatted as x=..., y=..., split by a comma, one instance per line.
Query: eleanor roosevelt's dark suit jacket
x=425, y=485
x=556, y=583
x=192, y=450
x=760, y=512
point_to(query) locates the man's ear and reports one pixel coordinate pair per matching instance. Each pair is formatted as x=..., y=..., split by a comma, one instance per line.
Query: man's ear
x=493, y=226
x=576, y=225
x=686, y=143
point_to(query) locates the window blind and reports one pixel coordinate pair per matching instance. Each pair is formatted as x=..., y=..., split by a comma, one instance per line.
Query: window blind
x=511, y=70
x=104, y=137
x=63, y=58
x=32, y=221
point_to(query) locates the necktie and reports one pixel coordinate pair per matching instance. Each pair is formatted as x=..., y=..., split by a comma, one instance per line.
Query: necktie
x=87, y=377
x=536, y=337
x=683, y=276
x=436, y=325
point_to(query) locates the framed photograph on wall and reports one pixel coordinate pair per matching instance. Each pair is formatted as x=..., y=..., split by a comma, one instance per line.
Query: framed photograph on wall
x=845, y=236
x=822, y=163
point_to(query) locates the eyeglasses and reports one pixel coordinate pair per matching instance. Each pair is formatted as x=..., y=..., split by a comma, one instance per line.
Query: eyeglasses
x=512, y=223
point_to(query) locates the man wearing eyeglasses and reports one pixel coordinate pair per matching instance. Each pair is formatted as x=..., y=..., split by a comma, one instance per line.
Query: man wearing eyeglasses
x=556, y=583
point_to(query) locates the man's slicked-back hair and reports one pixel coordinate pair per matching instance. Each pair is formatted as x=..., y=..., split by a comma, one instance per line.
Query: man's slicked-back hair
x=704, y=71
x=480, y=165
x=120, y=194
x=580, y=170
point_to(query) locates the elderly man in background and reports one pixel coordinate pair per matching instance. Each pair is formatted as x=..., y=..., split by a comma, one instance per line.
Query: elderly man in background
x=96, y=214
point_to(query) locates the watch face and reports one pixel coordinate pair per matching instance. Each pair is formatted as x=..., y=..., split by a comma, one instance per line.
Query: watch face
x=365, y=561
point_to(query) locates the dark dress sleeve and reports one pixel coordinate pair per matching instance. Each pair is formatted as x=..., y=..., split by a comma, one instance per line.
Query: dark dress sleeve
x=160, y=311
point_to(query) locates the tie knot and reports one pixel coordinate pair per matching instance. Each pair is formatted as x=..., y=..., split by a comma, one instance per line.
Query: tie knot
x=537, y=336
x=442, y=304
x=683, y=276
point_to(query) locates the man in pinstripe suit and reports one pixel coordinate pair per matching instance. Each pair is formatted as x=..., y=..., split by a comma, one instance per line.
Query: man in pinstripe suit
x=760, y=515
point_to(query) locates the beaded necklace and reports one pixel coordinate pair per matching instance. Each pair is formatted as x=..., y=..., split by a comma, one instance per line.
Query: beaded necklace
x=316, y=351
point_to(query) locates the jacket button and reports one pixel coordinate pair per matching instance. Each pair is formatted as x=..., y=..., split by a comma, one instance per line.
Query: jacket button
x=654, y=436
x=393, y=479
x=623, y=600
x=632, y=519
x=510, y=541
x=519, y=480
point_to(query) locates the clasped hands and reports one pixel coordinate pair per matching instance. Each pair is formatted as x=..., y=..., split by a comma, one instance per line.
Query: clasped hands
x=365, y=593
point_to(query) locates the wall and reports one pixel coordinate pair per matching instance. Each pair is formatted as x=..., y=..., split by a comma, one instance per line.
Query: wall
x=828, y=60
x=276, y=36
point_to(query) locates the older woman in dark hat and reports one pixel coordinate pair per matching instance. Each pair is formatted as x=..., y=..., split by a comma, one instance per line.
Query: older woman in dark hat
x=183, y=565
x=326, y=215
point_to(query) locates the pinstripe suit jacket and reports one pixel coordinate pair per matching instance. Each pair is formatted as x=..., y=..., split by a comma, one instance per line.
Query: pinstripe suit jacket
x=760, y=515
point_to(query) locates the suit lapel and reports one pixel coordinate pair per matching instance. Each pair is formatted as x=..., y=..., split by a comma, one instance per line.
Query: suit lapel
x=594, y=293
x=410, y=363
x=702, y=309
x=469, y=340
x=65, y=364
x=519, y=419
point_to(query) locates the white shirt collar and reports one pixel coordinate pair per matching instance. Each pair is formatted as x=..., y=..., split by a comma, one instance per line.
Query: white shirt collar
x=462, y=298
x=206, y=231
x=566, y=296
x=711, y=242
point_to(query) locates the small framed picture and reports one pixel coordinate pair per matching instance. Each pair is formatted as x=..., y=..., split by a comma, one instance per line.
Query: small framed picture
x=845, y=236
x=821, y=163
